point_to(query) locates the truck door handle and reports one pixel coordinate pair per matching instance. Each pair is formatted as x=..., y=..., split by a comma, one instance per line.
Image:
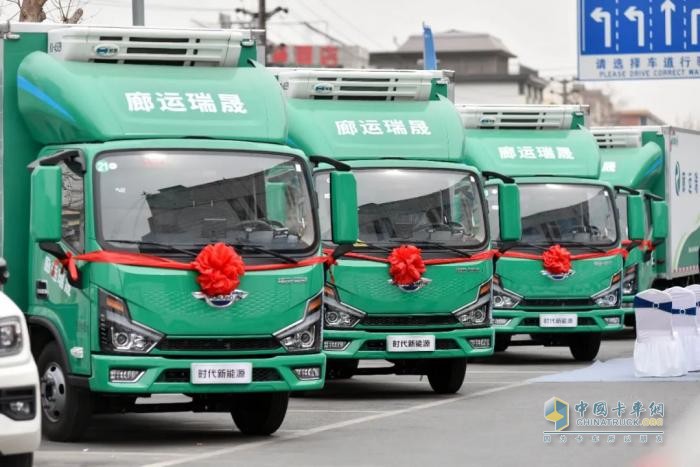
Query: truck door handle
x=42, y=289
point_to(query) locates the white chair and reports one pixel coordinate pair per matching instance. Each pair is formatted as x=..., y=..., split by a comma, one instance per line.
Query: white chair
x=657, y=350
x=684, y=325
x=695, y=288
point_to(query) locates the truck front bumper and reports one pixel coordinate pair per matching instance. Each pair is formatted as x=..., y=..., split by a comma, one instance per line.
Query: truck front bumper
x=372, y=345
x=19, y=436
x=628, y=305
x=163, y=375
x=528, y=322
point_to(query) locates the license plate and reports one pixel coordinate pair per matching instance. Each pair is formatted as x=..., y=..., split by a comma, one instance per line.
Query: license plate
x=410, y=343
x=558, y=320
x=221, y=373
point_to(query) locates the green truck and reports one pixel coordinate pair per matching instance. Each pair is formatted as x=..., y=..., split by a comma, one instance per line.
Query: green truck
x=162, y=235
x=561, y=283
x=420, y=208
x=660, y=163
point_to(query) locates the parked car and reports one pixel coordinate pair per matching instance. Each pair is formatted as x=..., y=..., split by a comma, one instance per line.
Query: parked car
x=20, y=423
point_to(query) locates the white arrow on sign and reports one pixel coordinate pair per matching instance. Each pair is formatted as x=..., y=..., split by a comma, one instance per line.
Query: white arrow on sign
x=601, y=16
x=667, y=7
x=694, y=14
x=633, y=14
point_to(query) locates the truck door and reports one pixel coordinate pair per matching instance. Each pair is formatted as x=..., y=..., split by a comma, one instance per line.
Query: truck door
x=70, y=302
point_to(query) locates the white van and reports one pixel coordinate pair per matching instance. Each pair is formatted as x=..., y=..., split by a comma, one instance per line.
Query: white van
x=20, y=417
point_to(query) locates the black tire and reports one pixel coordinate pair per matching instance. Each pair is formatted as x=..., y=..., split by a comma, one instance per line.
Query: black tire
x=17, y=460
x=585, y=347
x=446, y=375
x=260, y=414
x=341, y=369
x=67, y=420
x=502, y=342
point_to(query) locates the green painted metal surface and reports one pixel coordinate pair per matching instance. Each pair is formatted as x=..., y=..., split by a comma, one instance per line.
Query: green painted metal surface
x=67, y=102
x=520, y=153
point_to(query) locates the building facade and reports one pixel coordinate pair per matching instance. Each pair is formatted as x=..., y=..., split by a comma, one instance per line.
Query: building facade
x=486, y=72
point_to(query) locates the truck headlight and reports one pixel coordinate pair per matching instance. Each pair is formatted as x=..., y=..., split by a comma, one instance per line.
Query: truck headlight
x=304, y=335
x=10, y=336
x=629, y=281
x=503, y=298
x=609, y=297
x=337, y=315
x=118, y=333
x=478, y=312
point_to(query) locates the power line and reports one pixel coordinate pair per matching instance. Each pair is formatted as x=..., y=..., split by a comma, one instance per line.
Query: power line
x=337, y=33
x=352, y=25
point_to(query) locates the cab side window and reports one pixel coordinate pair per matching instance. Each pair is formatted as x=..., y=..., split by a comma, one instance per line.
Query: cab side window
x=73, y=206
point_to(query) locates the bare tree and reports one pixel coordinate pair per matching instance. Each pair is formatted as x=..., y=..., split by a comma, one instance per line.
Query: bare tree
x=37, y=11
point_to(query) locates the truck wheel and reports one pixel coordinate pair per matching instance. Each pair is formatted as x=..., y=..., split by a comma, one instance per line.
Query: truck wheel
x=260, y=414
x=66, y=409
x=502, y=342
x=584, y=347
x=17, y=460
x=341, y=369
x=446, y=375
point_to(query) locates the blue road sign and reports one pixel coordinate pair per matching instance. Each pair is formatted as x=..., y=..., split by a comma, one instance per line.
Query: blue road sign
x=639, y=39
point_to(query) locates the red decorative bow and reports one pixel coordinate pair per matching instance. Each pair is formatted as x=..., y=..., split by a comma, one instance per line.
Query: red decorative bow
x=220, y=269
x=557, y=260
x=406, y=264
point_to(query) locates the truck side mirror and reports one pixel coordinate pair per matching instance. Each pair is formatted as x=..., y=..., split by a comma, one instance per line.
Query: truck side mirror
x=635, y=217
x=45, y=215
x=276, y=201
x=509, y=212
x=659, y=220
x=344, y=218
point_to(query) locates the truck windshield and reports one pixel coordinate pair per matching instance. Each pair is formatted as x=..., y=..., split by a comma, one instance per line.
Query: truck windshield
x=189, y=198
x=562, y=213
x=440, y=207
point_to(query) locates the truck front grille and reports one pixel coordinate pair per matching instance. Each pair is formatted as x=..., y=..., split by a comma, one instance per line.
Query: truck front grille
x=409, y=320
x=183, y=375
x=172, y=344
x=556, y=302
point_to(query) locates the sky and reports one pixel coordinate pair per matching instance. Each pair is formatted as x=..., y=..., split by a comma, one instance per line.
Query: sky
x=542, y=33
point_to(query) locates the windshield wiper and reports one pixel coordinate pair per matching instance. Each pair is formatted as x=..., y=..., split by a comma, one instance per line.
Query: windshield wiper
x=259, y=249
x=537, y=246
x=437, y=245
x=161, y=246
x=583, y=245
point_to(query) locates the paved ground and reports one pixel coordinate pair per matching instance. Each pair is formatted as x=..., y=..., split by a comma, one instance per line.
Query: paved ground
x=496, y=420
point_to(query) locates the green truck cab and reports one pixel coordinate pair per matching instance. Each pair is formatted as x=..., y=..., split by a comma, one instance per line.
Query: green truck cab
x=660, y=163
x=403, y=140
x=146, y=147
x=561, y=283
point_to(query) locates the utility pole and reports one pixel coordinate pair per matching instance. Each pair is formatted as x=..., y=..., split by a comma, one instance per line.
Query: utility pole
x=565, y=93
x=261, y=16
x=138, y=16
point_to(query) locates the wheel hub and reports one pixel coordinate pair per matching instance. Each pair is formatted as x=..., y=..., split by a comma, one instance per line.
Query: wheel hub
x=53, y=392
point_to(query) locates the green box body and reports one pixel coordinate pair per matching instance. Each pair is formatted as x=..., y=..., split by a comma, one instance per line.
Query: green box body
x=661, y=162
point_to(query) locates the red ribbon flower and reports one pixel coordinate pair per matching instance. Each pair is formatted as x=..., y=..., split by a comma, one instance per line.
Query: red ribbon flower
x=220, y=269
x=557, y=260
x=406, y=265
